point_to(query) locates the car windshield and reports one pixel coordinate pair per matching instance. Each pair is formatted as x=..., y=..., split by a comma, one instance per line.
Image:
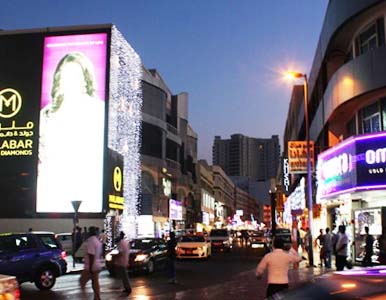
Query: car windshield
x=142, y=244
x=192, y=239
x=219, y=232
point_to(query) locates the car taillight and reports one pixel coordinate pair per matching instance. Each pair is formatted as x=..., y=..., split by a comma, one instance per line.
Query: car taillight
x=63, y=255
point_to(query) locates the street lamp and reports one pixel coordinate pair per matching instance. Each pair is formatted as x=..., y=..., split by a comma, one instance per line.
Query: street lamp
x=292, y=75
x=75, y=206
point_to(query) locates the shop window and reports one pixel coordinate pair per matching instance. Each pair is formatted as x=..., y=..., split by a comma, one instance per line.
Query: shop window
x=370, y=38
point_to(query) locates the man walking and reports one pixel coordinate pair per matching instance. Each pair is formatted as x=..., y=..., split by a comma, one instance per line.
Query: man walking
x=277, y=262
x=319, y=242
x=92, y=263
x=327, y=249
x=341, y=248
x=368, y=248
x=122, y=262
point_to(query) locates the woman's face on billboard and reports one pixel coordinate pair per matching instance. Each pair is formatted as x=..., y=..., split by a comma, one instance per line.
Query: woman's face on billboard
x=72, y=82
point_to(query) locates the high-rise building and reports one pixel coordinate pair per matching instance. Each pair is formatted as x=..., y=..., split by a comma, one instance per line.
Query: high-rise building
x=256, y=158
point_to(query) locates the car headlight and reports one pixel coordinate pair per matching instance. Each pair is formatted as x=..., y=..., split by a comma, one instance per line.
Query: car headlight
x=141, y=257
x=109, y=256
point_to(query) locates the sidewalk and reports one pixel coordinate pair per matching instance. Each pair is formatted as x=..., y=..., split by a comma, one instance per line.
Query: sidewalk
x=71, y=269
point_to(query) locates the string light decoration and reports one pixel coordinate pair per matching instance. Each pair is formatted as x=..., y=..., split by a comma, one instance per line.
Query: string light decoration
x=124, y=123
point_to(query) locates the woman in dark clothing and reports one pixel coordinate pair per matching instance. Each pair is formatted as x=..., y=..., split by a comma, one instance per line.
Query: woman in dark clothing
x=172, y=243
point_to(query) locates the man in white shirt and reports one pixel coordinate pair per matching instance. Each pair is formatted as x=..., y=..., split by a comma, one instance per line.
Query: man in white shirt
x=122, y=262
x=92, y=263
x=277, y=262
x=341, y=248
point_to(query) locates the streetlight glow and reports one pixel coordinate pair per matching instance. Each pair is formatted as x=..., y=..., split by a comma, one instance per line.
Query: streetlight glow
x=290, y=75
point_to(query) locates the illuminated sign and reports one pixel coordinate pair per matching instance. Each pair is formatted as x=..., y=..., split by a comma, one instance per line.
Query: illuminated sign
x=72, y=118
x=116, y=200
x=356, y=164
x=175, y=210
x=297, y=200
x=297, y=156
x=167, y=187
x=286, y=176
x=15, y=140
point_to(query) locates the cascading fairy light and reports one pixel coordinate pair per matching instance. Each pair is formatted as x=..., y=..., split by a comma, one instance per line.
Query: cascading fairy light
x=124, y=122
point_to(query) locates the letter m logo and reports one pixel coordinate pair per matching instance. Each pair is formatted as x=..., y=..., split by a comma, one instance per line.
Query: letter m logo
x=10, y=103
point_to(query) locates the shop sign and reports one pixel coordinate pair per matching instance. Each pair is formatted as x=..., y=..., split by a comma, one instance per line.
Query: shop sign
x=175, y=210
x=286, y=176
x=297, y=156
x=356, y=164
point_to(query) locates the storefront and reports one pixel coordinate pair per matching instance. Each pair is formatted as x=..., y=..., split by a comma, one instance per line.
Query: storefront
x=351, y=183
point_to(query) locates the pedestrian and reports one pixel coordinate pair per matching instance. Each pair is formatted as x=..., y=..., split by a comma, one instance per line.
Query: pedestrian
x=327, y=248
x=277, y=263
x=369, y=239
x=318, y=243
x=85, y=234
x=382, y=247
x=341, y=249
x=308, y=245
x=92, y=263
x=122, y=262
x=78, y=238
x=103, y=239
x=171, y=246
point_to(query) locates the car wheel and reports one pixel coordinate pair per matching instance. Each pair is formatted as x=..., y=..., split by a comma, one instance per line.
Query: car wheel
x=45, y=279
x=150, y=267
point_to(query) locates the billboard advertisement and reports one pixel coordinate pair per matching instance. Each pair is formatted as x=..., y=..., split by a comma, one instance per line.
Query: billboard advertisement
x=52, y=121
x=72, y=123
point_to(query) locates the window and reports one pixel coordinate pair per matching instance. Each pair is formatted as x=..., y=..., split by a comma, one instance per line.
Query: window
x=371, y=37
x=371, y=118
x=49, y=241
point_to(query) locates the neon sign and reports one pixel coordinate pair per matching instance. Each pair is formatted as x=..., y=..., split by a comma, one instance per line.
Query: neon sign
x=355, y=164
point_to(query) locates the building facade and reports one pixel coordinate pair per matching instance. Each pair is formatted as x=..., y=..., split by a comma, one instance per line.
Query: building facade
x=241, y=155
x=168, y=159
x=347, y=115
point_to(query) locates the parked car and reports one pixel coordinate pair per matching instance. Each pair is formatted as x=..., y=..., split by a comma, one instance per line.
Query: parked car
x=34, y=256
x=220, y=240
x=146, y=254
x=193, y=246
x=358, y=283
x=9, y=288
x=65, y=239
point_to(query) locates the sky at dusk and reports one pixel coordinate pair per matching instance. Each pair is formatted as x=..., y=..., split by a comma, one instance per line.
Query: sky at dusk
x=227, y=54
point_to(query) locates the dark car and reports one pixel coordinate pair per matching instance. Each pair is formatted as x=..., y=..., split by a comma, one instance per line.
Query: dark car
x=283, y=233
x=34, y=256
x=146, y=254
x=220, y=240
x=358, y=283
x=258, y=240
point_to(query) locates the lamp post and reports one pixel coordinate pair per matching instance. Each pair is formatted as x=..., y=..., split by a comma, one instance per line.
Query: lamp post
x=272, y=195
x=75, y=205
x=309, y=169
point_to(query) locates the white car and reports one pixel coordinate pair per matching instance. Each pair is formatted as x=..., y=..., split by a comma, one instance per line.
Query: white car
x=193, y=246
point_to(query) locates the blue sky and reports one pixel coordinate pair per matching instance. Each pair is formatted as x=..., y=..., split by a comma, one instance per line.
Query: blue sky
x=227, y=54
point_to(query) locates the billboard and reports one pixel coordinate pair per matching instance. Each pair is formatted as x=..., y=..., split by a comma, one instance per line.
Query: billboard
x=72, y=118
x=52, y=121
